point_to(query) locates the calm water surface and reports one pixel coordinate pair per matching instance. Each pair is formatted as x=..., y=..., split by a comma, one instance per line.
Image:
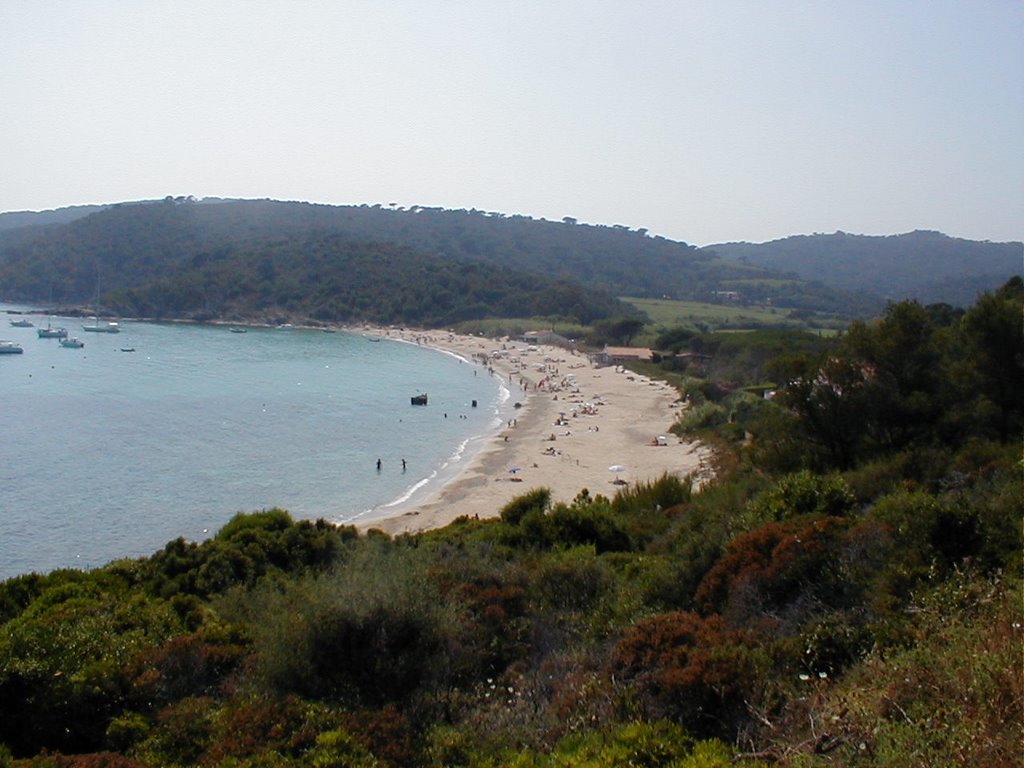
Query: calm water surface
x=107, y=454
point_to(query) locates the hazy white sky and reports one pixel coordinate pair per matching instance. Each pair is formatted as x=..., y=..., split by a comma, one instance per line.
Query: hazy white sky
x=702, y=121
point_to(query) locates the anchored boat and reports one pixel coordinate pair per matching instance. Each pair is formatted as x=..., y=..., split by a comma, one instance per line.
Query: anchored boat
x=49, y=332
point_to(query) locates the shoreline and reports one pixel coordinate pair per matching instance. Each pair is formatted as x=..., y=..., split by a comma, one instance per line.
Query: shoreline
x=568, y=423
x=510, y=397
x=571, y=424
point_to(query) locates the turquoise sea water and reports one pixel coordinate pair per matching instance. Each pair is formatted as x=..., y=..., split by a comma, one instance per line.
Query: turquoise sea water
x=107, y=454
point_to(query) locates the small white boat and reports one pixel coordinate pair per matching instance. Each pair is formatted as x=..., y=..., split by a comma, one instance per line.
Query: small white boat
x=22, y=323
x=238, y=330
x=10, y=348
x=49, y=332
x=72, y=343
x=97, y=327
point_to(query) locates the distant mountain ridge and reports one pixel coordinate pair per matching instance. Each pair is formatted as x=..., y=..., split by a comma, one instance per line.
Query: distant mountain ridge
x=924, y=265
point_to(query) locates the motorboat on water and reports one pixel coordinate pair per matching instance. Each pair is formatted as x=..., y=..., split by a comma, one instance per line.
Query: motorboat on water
x=72, y=343
x=238, y=330
x=419, y=399
x=10, y=348
x=22, y=323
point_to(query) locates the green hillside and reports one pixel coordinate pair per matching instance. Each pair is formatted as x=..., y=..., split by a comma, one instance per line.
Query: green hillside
x=266, y=262
x=927, y=266
x=184, y=249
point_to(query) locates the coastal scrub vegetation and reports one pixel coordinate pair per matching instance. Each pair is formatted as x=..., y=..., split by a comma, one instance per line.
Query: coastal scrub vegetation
x=845, y=591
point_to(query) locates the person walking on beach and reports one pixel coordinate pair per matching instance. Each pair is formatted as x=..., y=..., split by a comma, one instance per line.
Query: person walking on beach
x=378, y=465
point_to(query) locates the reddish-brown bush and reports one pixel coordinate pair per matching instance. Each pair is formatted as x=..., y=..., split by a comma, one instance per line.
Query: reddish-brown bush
x=783, y=570
x=689, y=667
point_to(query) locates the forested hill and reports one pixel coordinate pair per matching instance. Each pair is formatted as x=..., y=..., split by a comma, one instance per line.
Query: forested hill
x=266, y=260
x=928, y=266
x=214, y=255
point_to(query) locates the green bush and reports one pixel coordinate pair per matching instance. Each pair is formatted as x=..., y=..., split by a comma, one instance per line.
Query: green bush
x=704, y=415
x=370, y=632
x=798, y=495
x=536, y=500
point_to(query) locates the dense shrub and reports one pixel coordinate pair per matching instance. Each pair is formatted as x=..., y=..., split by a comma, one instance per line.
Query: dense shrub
x=537, y=500
x=781, y=573
x=689, y=667
x=64, y=661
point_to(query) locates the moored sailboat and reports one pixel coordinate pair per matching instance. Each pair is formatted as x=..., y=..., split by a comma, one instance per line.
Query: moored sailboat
x=49, y=332
x=97, y=327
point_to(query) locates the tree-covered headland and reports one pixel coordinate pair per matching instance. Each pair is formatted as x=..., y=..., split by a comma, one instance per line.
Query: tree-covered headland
x=845, y=591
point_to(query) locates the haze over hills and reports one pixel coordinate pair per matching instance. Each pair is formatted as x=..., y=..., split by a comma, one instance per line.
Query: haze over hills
x=182, y=257
x=928, y=266
x=15, y=219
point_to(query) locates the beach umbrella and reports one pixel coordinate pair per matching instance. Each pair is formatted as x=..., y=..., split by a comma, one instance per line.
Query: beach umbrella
x=616, y=468
x=513, y=470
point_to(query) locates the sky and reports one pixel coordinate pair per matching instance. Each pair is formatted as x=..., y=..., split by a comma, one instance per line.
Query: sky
x=699, y=120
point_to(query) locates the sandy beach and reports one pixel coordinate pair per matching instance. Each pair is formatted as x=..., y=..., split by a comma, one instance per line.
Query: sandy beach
x=576, y=421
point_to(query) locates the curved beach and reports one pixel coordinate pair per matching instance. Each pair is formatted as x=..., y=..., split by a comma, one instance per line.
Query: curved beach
x=576, y=420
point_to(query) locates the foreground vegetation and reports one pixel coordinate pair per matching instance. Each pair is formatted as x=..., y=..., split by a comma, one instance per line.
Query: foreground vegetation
x=847, y=591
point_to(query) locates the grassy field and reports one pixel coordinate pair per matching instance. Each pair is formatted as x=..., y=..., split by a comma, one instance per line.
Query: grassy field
x=669, y=312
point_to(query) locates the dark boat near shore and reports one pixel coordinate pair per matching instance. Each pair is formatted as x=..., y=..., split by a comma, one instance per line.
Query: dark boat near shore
x=419, y=399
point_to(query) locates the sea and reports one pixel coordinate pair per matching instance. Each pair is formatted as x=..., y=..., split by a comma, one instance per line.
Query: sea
x=167, y=430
